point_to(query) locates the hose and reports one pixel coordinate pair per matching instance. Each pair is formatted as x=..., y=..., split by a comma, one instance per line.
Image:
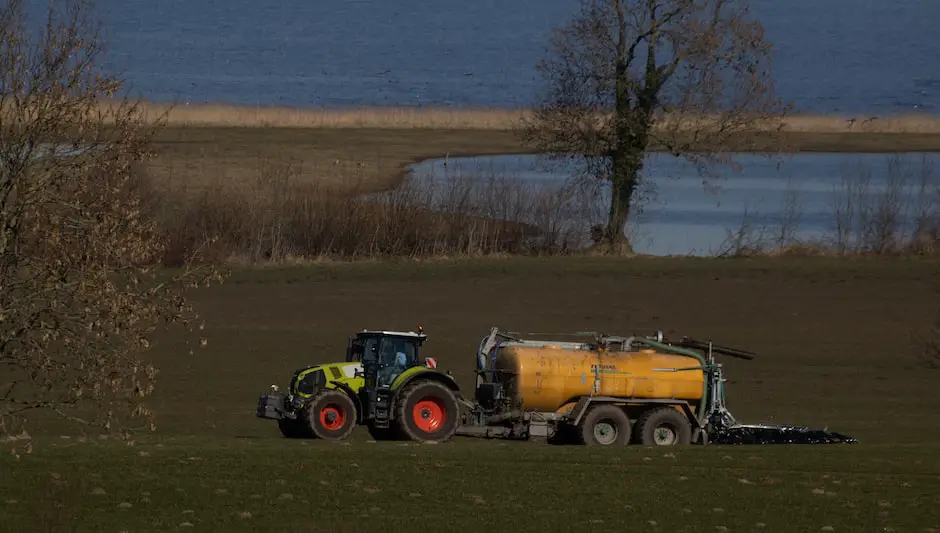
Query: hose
x=691, y=353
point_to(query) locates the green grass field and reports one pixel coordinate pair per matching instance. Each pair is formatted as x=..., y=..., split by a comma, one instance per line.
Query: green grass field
x=266, y=484
x=834, y=344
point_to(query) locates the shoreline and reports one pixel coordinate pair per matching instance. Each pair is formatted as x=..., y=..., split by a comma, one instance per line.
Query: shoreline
x=372, y=150
x=490, y=119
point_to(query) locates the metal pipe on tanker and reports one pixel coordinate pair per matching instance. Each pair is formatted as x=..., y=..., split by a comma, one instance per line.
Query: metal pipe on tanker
x=691, y=353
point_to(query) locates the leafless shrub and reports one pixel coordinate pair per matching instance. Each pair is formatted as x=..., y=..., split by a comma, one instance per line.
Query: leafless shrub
x=894, y=213
x=279, y=219
x=845, y=210
x=869, y=221
x=754, y=236
x=78, y=296
x=925, y=233
x=750, y=238
x=790, y=217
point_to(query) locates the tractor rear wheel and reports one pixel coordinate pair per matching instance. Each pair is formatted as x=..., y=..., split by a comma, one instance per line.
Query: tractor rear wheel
x=605, y=425
x=427, y=411
x=331, y=415
x=663, y=426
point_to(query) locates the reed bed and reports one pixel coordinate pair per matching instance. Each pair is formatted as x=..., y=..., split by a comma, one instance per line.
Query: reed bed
x=278, y=219
x=221, y=115
x=225, y=115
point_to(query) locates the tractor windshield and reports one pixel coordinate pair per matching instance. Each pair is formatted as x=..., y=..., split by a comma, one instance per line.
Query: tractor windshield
x=395, y=356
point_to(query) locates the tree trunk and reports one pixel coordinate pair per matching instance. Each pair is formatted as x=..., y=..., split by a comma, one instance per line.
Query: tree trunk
x=627, y=163
x=632, y=127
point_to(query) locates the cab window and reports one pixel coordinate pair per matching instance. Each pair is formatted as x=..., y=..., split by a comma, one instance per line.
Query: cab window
x=392, y=347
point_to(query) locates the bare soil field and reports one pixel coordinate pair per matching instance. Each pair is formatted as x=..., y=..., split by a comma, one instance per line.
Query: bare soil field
x=833, y=337
x=835, y=348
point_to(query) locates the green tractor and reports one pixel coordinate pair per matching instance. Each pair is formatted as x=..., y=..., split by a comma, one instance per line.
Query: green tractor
x=385, y=384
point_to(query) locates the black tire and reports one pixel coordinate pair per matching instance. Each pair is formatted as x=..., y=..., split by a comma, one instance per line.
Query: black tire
x=600, y=421
x=331, y=415
x=422, y=402
x=663, y=426
x=294, y=428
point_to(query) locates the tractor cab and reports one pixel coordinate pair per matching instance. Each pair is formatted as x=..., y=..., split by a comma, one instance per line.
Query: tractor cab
x=403, y=394
x=385, y=354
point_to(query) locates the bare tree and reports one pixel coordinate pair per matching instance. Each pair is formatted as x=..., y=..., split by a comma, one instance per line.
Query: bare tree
x=686, y=76
x=78, y=297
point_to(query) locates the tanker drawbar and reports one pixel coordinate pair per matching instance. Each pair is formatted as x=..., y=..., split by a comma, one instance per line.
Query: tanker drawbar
x=612, y=390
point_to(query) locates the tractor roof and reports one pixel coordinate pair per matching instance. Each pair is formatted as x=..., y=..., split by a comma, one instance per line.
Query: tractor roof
x=387, y=333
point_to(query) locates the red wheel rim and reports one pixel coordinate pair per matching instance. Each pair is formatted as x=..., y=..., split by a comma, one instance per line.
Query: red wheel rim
x=429, y=415
x=332, y=418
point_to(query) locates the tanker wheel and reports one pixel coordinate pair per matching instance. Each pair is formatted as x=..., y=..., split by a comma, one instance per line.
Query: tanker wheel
x=294, y=428
x=663, y=426
x=427, y=411
x=331, y=415
x=605, y=425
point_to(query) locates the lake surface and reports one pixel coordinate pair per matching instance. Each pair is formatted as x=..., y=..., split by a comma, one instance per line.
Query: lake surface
x=681, y=216
x=850, y=56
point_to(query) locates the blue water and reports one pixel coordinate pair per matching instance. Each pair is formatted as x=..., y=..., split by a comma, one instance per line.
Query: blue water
x=851, y=56
x=678, y=214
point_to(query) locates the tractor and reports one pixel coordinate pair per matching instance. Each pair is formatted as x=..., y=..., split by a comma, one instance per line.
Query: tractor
x=384, y=384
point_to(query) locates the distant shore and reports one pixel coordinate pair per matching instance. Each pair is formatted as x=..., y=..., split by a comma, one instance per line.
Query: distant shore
x=226, y=115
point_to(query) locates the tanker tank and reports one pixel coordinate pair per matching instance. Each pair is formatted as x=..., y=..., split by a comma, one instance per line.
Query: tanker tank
x=547, y=378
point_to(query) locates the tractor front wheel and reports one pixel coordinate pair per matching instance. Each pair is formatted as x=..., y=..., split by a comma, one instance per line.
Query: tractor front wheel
x=427, y=411
x=331, y=415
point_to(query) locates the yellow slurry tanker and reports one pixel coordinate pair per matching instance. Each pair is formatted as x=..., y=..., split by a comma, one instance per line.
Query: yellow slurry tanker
x=612, y=390
x=604, y=385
